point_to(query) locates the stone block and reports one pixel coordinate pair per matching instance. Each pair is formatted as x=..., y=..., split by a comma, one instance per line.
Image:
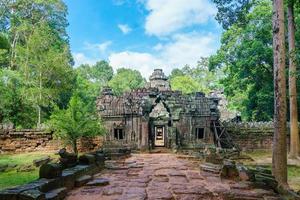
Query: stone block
x=229, y=171
x=31, y=195
x=87, y=159
x=50, y=170
x=100, y=159
x=41, y=161
x=82, y=180
x=45, y=185
x=56, y=194
x=98, y=182
x=68, y=180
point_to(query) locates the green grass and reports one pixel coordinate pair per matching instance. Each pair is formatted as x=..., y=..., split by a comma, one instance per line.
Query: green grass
x=13, y=178
x=264, y=158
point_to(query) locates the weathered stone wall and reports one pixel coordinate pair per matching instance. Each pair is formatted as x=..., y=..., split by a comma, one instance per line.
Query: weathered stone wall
x=252, y=135
x=29, y=140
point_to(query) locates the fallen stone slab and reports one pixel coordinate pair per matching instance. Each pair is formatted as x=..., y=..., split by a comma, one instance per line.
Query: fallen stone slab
x=41, y=161
x=98, y=182
x=209, y=167
x=31, y=195
x=56, y=194
x=82, y=180
x=25, y=168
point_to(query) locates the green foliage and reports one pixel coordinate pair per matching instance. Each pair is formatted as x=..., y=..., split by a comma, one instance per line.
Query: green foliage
x=186, y=84
x=246, y=55
x=232, y=11
x=74, y=122
x=198, y=79
x=126, y=80
x=91, y=79
x=34, y=46
x=13, y=107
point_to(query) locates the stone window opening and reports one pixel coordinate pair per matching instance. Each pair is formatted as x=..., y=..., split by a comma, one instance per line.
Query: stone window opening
x=119, y=134
x=199, y=133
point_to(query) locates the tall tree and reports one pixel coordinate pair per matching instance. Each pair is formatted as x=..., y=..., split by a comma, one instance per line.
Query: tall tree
x=279, y=158
x=294, y=132
x=246, y=57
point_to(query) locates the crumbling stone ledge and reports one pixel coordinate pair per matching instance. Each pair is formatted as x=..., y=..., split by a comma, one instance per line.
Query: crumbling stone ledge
x=56, y=179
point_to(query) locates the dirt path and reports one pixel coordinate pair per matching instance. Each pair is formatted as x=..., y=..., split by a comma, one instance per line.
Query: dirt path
x=165, y=176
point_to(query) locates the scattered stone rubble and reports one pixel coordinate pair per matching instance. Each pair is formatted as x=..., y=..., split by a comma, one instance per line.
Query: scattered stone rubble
x=217, y=162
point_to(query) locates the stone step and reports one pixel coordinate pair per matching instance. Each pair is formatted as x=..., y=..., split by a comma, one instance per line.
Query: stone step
x=98, y=182
x=209, y=167
x=57, y=194
x=82, y=180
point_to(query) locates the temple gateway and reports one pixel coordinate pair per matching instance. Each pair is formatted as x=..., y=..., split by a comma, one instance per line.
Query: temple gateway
x=157, y=116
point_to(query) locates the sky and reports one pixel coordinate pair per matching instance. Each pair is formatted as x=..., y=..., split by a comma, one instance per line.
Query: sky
x=142, y=34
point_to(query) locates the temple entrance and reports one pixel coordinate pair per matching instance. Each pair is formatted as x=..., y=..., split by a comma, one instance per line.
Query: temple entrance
x=159, y=140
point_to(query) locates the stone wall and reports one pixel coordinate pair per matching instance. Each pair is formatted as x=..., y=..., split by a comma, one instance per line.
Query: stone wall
x=29, y=140
x=252, y=135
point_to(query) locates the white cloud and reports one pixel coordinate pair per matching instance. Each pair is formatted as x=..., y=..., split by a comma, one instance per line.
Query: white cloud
x=183, y=49
x=188, y=49
x=158, y=47
x=102, y=47
x=168, y=16
x=91, y=53
x=81, y=58
x=143, y=62
x=124, y=28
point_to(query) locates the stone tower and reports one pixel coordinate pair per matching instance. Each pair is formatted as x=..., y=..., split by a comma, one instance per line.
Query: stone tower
x=159, y=80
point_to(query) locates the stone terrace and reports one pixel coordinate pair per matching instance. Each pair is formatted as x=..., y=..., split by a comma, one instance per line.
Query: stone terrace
x=165, y=176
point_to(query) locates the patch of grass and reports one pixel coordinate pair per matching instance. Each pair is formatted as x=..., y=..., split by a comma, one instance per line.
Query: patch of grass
x=265, y=158
x=260, y=154
x=13, y=178
x=22, y=159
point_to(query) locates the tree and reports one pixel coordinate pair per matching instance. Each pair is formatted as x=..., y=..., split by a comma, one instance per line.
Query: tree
x=34, y=45
x=186, y=84
x=126, y=80
x=75, y=122
x=46, y=68
x=279, y=159
x=13, y=107
x=246, y=58
x=232, y=12
x=91, y=79
x=294, y=132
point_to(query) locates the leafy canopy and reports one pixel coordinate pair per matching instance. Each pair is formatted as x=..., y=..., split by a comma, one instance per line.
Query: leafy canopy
x=126, y=80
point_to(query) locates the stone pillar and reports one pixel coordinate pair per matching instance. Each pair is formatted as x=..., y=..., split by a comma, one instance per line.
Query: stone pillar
x=144, y=134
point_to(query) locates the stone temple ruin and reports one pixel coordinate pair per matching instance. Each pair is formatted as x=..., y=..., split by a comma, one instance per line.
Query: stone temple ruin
x=157, y=116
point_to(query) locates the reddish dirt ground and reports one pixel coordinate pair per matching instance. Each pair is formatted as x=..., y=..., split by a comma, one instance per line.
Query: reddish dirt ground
x=165, y=176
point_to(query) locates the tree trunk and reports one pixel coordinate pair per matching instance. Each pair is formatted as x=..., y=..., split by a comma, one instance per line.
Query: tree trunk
x=74, y=146
x=40, y=99
x=294, y=143
x=279, y=161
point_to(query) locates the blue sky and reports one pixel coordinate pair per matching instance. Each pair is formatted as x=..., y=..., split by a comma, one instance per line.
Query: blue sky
x=142, y=34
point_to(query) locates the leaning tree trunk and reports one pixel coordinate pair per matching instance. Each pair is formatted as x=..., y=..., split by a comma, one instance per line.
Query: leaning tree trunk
x=279, y=162
x=294, y=144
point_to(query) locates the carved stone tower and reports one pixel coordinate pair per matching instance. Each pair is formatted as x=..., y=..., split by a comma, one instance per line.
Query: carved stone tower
x=159, y=80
